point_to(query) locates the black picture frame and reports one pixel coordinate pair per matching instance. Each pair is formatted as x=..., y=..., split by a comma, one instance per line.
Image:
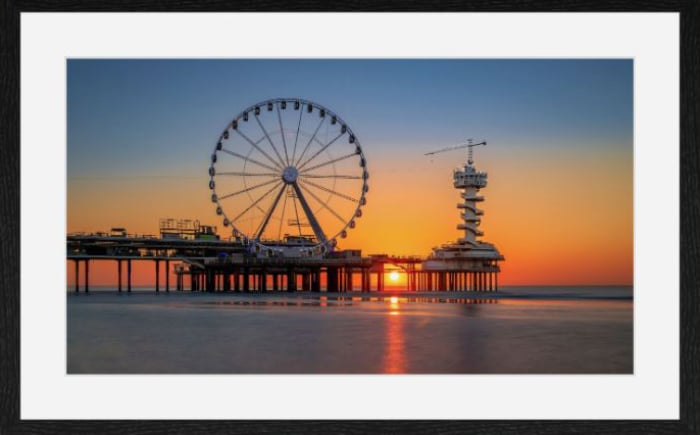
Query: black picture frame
x=689, y=421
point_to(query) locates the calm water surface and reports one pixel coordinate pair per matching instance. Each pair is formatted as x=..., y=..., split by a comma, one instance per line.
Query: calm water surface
x=519, y=330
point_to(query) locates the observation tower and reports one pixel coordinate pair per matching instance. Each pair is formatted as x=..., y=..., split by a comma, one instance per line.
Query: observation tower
x=468, y=263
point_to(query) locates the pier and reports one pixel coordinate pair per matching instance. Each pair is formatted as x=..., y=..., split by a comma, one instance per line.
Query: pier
x=275, y=248
x=225, y=266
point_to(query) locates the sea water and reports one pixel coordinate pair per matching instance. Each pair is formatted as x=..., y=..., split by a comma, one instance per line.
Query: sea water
x=547, y=330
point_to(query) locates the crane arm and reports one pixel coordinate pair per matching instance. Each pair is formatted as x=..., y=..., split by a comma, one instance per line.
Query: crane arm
x=469, y=145
x=466, y=145
x=446, y=149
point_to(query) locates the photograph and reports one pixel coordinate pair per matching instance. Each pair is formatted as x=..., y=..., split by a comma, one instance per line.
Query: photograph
x=355, y=216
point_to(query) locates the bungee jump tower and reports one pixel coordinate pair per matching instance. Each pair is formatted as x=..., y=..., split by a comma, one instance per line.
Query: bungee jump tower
x=469, y=263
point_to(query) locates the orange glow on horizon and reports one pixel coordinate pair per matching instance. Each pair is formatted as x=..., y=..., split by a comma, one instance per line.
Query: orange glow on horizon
x=559, y=218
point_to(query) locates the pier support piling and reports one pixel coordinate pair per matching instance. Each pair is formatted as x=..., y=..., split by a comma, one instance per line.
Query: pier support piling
x=77, y=275
x=332, y=279
x=87, y=274
x=246, y=280
x=157, y=276
x=119, y=274
x=128, y=276
x=316, y=280
x=290, y=281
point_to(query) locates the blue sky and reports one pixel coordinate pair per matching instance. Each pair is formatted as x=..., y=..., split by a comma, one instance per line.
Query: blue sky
x=150, y=116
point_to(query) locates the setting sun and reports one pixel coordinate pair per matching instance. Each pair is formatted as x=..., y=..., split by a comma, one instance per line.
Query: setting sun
x=394, y=276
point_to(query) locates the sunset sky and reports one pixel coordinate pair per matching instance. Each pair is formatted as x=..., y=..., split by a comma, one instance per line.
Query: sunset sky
x=559, y=155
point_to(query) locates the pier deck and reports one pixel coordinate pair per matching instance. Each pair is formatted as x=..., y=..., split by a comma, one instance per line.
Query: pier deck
x=215, y=265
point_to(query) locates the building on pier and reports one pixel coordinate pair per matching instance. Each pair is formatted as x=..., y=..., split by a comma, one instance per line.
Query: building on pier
x=186, y=229
x=468, y=263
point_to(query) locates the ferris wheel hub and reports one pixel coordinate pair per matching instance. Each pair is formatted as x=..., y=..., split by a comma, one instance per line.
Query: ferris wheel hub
x=290, y=174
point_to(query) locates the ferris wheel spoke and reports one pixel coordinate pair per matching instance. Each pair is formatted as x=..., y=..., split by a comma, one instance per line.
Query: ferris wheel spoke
x=250, y=174
x=248, y=159
x=296, y=139
x=344, y=177
x=296, y=213
x=331, y=191
x=255, y=145
x=284, y=141
x=270, y=140
x=330, y=162
x=309, y=143
x=325, y=205
x=257, y=186
x=284, y=208
x=320, y=236
x=255, y=203
x=320, y=151
x=266, y=219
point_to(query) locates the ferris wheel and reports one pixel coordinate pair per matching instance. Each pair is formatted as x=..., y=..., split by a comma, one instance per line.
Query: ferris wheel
x=289, y=177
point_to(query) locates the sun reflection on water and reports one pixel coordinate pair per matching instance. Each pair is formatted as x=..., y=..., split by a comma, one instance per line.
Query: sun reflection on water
x=395, y=352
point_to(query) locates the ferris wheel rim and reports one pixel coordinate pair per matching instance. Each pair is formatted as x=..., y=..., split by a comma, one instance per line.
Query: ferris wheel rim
x=295, y=174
